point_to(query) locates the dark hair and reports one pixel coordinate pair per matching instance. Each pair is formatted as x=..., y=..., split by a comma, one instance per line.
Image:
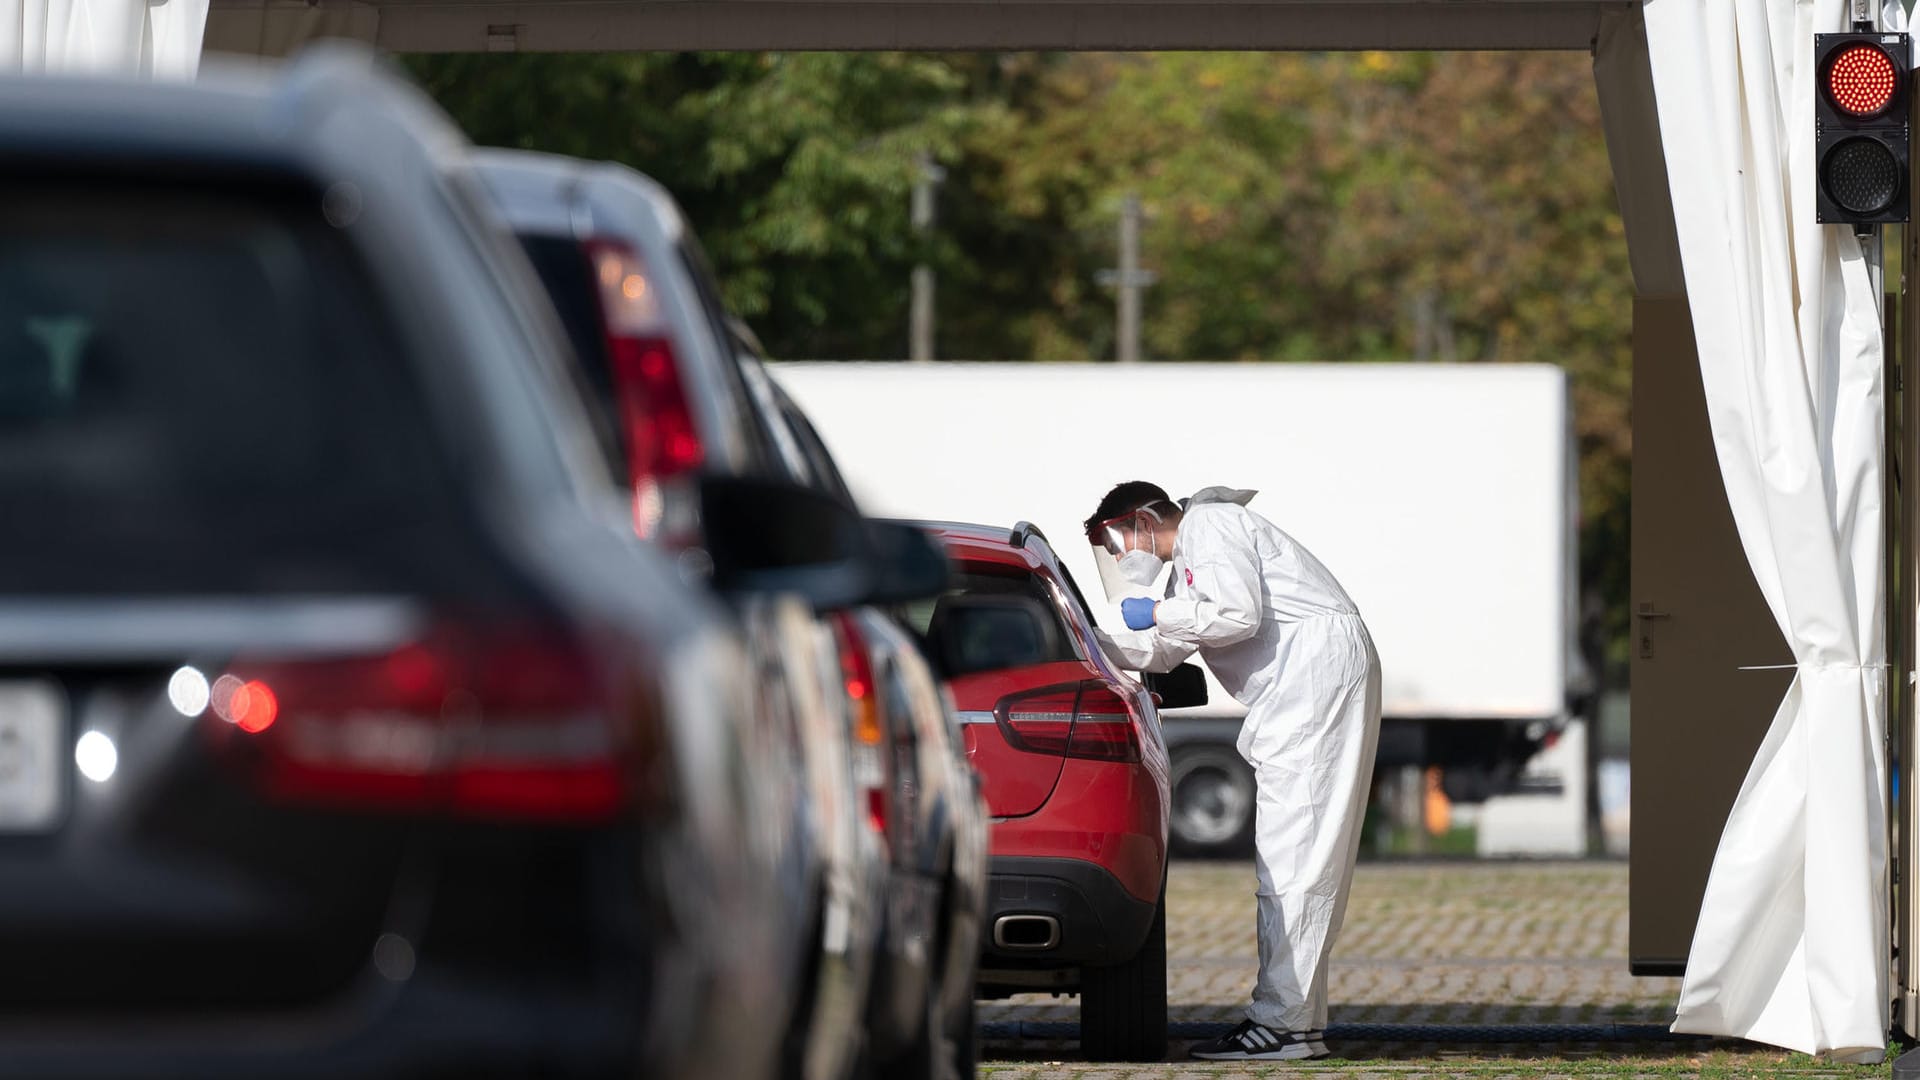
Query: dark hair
x=1127, y=497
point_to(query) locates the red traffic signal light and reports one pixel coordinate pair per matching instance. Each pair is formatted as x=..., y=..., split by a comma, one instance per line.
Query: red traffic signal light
x=1860, y=109
x=1860, y=79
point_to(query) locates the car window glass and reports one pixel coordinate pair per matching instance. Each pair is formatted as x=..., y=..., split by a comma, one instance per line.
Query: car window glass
x=763, y=454
x=987, y=580
x=573, y=439
x=198, y=391
x=794, y=460
x=826, y=474
x=1079, y=598
x=563, y=267
x=567, y=275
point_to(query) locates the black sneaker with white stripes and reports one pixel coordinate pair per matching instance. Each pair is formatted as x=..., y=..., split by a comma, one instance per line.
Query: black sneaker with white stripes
x=1253, y=1042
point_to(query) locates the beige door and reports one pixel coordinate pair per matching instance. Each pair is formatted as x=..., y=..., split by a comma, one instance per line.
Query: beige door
x=1698, y=618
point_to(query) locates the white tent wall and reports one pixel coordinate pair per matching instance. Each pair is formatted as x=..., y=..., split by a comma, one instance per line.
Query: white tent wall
x=133, y=37
x=1791, y=946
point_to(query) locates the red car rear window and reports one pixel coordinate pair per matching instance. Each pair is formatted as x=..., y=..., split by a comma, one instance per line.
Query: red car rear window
x=994, y=579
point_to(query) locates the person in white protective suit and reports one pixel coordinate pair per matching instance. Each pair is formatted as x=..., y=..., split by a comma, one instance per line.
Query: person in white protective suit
x=1285, y=640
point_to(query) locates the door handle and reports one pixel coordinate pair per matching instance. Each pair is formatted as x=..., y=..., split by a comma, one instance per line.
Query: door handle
x=1647, y=613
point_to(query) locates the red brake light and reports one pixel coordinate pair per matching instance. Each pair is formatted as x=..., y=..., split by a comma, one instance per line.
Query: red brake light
x=661, y=439
x=1039, y=721
x=655, y=415
x=510, y=725
x=1103, y=727
x=1861, y=80
x=249, y=706
x=1082, y=720
x=869, y=734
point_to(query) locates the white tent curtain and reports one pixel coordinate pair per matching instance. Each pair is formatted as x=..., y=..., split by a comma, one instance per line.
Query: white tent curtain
x=129, y=37
x=1792, y=944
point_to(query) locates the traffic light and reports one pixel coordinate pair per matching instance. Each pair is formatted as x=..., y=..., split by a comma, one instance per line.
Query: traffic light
x=1860, y=111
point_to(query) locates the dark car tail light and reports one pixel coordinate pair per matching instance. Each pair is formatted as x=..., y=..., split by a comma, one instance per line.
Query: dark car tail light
x=496, y=725
x=869, y=732
x=1080, y=720
x=655, y=415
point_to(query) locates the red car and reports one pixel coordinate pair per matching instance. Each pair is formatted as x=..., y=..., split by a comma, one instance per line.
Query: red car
x=1075, y=774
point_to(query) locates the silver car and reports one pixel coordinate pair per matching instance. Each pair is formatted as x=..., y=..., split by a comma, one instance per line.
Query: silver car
x=650, y=332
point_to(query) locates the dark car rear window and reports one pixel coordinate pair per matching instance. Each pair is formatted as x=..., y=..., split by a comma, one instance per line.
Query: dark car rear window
x=567, y=273
x=197, y=393
x=568, y=276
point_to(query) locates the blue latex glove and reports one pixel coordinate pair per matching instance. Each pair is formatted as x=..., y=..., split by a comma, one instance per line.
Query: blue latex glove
x=1137, y=611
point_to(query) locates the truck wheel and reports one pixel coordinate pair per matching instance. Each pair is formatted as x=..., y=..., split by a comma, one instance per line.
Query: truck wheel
x=1213, y=800
x=1123, y=1007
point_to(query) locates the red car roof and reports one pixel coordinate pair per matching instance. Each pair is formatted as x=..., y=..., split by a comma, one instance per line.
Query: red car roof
x=981, y=543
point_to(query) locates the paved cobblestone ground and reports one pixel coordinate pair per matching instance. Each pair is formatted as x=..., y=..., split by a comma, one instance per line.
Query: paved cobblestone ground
x=1424, y=943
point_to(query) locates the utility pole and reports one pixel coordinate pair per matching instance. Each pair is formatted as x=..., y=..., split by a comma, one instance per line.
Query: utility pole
x=920, y=330
x=1129, y=279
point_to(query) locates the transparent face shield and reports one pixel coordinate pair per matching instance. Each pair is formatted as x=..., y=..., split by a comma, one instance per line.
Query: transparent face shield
x=1112, y=539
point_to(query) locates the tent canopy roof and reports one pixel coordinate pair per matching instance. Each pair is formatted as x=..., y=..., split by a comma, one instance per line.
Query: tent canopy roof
x=274, y=26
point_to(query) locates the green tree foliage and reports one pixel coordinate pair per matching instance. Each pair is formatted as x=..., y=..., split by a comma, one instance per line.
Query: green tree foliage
x=795, y=169
x=1338, y=207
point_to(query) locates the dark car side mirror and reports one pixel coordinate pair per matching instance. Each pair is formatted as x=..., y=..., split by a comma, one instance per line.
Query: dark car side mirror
x=771, y=536
x=973, y=634
x=1182, y=688
x=767, y=536
x=909, y=564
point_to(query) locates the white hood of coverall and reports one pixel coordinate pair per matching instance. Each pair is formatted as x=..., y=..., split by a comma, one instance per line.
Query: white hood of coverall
x=1236, y=496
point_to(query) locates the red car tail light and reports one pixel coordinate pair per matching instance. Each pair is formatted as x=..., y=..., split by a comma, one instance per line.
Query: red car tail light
x=1039, y=721
x=869, y=733
x=1080, y=720
x=655, y=415
x=498, y=726
x=1103, y=726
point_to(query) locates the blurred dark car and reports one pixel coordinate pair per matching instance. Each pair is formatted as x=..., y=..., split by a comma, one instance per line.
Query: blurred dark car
x=645, y=317
x=646, y=320
x=923, y=799
x=346, y=729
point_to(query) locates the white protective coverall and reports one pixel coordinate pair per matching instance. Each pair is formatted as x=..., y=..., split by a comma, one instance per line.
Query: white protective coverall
x=1284, y=639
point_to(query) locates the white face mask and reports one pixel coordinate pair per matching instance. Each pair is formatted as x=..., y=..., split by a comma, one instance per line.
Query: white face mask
x=1141, y=567
x=1122, y=570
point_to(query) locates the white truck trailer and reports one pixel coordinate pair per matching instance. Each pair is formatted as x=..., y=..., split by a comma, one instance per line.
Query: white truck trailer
x=1443, y=496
